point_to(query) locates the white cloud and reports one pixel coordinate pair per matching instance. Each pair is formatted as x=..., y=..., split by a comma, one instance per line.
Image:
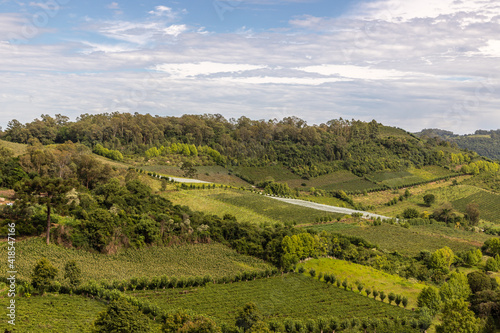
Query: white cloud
x=114, y=5
x=397, y=62
x=203, y=68
x=358, y=72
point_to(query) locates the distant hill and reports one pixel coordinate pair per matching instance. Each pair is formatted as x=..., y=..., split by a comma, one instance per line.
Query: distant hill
x=307, y=151
x=485, y=143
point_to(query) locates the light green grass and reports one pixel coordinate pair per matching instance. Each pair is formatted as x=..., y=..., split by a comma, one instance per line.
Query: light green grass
x=290, y=296
x=370, y=277
x=430, y=172
x=186, y=260
x=203, y=200
x=17, y=148
x=274, y=209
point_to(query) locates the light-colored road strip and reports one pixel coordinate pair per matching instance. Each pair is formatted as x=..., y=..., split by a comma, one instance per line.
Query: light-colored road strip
x=328, y=208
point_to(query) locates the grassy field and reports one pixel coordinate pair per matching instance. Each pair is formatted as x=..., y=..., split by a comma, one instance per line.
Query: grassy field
x=358, y=184
x=430, y=172
x=459, y=195
x=276, y=210
x=53, y=313
x=405, y=241
x=246, y=206
x=18, y=148
x=187, y=260
x=290, y=296
x=259, y=174
x=368, y=276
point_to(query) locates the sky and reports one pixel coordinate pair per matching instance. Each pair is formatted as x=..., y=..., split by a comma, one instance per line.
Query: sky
x=409, y=64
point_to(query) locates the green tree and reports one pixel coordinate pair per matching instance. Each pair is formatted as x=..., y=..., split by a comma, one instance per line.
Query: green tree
x=442, y=259
x=50, y=192
x=457, y=318
x=247, y=316
x=429, y=298
x=121, y=317
x=382, y=296
x=457, y=287
x=472, y=213
x=73, y=273
x=491, y=265
x=259, y=327
x=391, y=297
x=429, y=199
x=43, y=275
x=405, y=301
x=479, y=281
x=410, y=213
x=492, y=245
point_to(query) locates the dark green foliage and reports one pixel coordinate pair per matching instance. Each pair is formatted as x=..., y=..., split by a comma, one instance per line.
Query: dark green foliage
x=410, y=213
x=43, y=275
x=184, y=322
x=479, y=281
x=429, y=199
x=247, y=316
x=73, y=273
x=121, y=317
x=308, y=151
x=11, y=171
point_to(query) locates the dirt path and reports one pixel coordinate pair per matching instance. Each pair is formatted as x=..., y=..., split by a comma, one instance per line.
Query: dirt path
x=328, y=208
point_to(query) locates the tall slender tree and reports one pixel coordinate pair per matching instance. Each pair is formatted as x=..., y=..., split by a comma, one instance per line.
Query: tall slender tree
x=47, y=191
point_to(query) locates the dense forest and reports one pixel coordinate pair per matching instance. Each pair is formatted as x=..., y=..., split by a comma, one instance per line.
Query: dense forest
x=307, y=150
x=485, y=143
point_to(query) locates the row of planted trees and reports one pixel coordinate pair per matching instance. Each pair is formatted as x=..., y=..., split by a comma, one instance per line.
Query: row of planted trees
x=333, y=280
x=44, y=274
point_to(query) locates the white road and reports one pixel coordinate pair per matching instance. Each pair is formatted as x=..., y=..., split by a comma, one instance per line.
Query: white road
x=328, y=208
x=187, y=180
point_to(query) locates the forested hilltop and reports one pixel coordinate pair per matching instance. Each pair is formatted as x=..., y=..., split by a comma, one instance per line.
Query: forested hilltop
x=306, y=150
x=485, y=143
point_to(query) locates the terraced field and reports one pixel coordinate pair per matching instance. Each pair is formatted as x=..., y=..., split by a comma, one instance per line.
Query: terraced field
x=179, y=261
x=292, y=296
x=489, y=205
x=405, y=241
x=54, y=313
x=368, y=276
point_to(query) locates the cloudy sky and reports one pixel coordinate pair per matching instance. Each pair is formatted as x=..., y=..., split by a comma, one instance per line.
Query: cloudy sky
x=411, y=64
